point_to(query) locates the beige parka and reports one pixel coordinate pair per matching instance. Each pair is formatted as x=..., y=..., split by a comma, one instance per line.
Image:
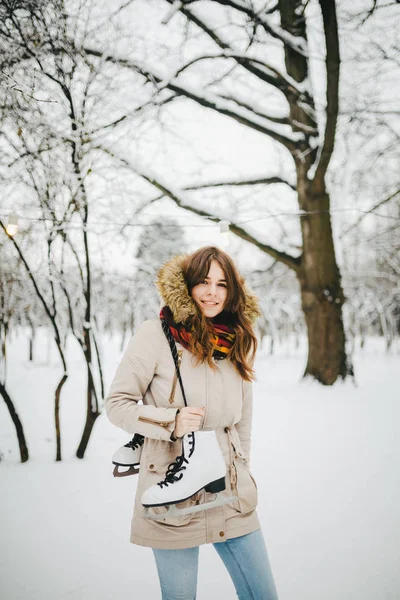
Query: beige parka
x=144, y=398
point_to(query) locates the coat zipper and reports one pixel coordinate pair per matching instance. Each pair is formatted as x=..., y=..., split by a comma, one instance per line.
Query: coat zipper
x=172, y=394
x=153, y=422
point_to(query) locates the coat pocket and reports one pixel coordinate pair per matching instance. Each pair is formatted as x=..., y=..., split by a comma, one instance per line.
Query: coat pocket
x=246, y=487
x=243, y=481
x=156, y=467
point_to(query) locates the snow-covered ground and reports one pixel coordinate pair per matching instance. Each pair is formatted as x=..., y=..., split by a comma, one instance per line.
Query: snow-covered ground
x=327, y=463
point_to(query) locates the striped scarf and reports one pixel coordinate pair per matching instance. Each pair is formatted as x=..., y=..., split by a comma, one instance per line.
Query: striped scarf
x=222, y=335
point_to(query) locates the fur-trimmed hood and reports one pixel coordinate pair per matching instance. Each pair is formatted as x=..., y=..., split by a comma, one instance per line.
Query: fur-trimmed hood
x=173, y=290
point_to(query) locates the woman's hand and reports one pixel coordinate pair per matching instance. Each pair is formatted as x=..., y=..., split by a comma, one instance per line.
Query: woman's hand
x=188, y=419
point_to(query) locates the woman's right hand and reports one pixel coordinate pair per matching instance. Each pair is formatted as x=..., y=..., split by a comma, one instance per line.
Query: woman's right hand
x=188, y=419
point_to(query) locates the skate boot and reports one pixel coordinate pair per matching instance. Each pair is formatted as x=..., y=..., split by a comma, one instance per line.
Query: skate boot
x=200, y=466
x=128, y=456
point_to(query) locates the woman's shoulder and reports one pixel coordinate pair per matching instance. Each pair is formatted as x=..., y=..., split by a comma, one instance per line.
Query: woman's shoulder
x=148, y=335
x=150, y=325
x=149, y=330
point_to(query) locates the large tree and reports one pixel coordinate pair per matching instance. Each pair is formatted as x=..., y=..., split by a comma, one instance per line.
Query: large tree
x=264, y=47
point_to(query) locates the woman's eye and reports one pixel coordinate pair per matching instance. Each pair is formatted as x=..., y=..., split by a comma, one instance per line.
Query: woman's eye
x=205, y=282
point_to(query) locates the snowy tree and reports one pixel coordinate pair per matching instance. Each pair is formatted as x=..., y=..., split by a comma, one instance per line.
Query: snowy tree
x=251, y=63
x=158, y=242
x=11, y=309
x=366, y=169
x=46, y=100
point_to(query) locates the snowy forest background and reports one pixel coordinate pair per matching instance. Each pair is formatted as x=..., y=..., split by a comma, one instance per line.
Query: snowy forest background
x=135, y=130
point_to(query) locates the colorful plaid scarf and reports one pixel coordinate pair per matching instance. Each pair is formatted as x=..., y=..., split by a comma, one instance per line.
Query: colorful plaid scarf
x=222, y=334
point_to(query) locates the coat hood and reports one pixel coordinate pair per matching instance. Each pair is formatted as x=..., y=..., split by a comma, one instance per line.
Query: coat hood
x=172, y=287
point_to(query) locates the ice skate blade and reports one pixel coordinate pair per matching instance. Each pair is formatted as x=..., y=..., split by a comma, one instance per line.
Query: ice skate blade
x=173, y=511
x=133, y=470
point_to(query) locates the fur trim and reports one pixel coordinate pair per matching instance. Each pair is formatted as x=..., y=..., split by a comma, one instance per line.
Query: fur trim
x=173, y=290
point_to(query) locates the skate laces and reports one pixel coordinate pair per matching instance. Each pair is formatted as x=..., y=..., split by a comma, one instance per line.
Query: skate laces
x=176, y=467
x=172, y=472
x=135, y=442
x=191, y=442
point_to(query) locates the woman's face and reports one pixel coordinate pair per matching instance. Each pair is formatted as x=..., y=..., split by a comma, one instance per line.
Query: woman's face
x=211, y=293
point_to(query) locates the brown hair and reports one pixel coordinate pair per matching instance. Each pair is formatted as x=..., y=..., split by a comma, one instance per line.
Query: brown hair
x=195, y=268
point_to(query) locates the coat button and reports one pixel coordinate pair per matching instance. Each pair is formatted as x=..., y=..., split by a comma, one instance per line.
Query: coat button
x=151, y=466
x=221, y=533
x=226, y=429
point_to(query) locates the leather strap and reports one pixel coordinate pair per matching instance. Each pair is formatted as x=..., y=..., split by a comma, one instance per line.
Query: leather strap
x=174, y=352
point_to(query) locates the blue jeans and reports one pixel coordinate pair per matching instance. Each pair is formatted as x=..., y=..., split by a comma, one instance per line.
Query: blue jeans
x=245, y=558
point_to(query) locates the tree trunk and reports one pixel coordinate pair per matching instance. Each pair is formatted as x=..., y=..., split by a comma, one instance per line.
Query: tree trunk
x=23, y=448
x=92, y=406
x=3, y=350
x=91, y=416
x=31, y=338
x=321, y=293
x=57, y=398
x=326, y=354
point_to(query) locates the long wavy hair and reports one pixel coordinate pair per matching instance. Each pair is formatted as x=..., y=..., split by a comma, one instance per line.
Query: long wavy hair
x=195, y=268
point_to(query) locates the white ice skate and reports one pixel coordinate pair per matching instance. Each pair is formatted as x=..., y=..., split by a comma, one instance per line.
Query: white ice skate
x=200, y=466
x=128, y=456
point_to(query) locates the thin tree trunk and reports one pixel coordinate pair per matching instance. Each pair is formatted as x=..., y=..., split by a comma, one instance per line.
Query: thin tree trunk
x=92, y=405
x=92, y=413
x=23, y=448
x=57, y=397
x=89, y=423
x=3, y=350
x=31, y=338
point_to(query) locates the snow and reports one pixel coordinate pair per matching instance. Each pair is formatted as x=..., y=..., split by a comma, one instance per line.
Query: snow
x=176, y=6
x=325, y=460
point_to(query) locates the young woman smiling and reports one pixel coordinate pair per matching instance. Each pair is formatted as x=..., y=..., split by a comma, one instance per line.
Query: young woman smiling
x=209, y=313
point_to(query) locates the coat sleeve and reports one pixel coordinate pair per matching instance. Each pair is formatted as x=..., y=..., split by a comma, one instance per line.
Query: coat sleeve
x=131, y=380
x=243, y=426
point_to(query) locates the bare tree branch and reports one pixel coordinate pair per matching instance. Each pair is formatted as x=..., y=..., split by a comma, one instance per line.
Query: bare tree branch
x=250, y=108
x=332, y=90
x=259, y=181
x=295, y=44
x=290, y=261
x=281, y=82
x=212, y=101
x=370, y=211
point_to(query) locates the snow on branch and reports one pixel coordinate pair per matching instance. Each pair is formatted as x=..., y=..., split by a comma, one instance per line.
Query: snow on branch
x=277, y=131
x=282, y=81
x=273, y=118
x=178, y=196
x=296, y=43
x=318, y=170
x=176, y=6
x=280, y=133
x=244, y=182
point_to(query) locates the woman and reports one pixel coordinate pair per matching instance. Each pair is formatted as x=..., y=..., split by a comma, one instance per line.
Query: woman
x=209, y=313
